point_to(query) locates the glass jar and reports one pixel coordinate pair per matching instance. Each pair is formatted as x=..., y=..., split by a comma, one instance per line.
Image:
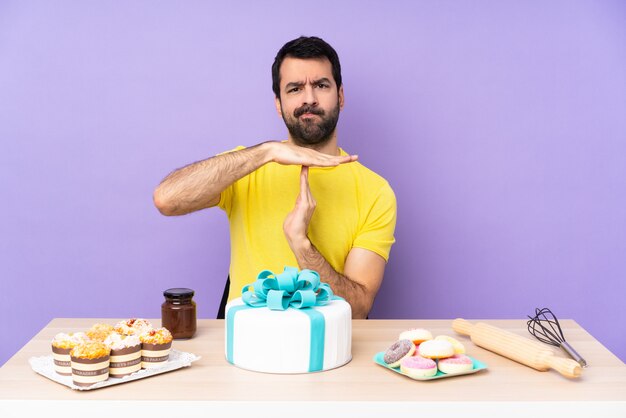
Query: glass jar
x=178, y=313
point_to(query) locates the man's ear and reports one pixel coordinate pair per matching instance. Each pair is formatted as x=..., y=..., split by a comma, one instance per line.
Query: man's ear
x=341, y=98
x=278, y=110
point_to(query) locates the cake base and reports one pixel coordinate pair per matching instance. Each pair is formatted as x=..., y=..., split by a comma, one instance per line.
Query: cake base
x=290, y=373
x=290, y=341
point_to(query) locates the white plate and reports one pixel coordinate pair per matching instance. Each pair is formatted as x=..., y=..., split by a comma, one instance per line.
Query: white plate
x=45, y=366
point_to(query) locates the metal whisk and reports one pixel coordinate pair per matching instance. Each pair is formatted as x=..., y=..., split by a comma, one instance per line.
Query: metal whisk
x=546, y=328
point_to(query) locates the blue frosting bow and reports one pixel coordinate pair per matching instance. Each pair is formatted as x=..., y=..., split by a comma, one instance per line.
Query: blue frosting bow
x=290, y=288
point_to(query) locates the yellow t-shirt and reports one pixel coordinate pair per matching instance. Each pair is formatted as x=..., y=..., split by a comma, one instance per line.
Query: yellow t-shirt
x=355, y=208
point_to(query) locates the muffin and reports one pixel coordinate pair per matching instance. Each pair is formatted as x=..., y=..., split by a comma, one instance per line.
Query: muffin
x=100, y=332
x=125, y=354
x=133, y=326
x=155, y=348
x=90, y=363
x=62, y=343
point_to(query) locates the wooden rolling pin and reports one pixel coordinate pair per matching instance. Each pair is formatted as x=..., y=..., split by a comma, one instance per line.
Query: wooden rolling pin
x=515, y=347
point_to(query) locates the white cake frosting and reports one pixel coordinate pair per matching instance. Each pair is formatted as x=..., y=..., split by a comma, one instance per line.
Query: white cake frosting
x=276, y=341
x=117, y=341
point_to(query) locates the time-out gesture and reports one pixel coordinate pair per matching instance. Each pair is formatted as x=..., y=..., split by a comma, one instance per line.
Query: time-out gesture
x=198, y=185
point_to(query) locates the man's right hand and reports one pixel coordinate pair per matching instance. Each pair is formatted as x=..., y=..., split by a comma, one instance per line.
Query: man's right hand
x=289, y=154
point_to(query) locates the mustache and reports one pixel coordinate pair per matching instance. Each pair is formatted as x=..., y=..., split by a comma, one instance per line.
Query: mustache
x=306, y=108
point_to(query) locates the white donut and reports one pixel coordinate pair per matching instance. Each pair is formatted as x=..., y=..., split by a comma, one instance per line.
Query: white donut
x=436, y=349
x=417, y=335
x=458, y=347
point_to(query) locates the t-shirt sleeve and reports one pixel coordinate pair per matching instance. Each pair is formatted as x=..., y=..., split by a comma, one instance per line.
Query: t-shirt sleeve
x=226, y=197
x=377, y=233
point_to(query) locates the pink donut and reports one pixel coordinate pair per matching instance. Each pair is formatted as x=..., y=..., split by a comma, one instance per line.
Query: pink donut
x=458, y=363
x=399, y=350
x=416, y=366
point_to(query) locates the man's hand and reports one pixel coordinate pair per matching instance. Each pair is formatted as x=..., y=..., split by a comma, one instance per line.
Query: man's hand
x=297, y=221
x=363, y=270
x=290, y=154
x=198, y=185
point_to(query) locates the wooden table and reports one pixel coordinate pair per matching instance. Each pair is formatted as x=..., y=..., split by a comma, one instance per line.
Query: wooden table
x=361, y=388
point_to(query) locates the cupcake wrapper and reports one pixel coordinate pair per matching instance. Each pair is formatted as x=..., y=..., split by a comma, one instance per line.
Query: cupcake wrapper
x=125, y=361
x=86, y=372
x=62, y=360
x=154, y=355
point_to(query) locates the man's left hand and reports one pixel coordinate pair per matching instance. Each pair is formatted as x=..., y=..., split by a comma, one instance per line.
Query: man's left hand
x=297, y=221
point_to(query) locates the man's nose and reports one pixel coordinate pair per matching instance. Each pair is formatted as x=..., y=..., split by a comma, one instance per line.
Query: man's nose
x=310, y=96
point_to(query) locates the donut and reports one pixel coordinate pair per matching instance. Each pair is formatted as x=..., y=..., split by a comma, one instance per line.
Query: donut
x=416, y=366
x=398, y=350
x=458, y=347
x=458, y=363
x=436, y=349
x=417, y=335
x=417, y=350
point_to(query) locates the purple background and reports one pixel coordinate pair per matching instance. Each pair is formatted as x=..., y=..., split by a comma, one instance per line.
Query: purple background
x=500, y=125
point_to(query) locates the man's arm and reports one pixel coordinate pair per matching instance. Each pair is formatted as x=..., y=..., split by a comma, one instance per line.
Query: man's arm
x=363, y=269
x=363, y=275
x=198, y=185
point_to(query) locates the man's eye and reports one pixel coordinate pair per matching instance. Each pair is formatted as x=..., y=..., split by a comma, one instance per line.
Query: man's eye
x=323, y=85
x=293, y=89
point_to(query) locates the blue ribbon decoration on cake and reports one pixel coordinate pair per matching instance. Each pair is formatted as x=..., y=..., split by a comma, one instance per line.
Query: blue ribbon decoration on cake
x=290, y=289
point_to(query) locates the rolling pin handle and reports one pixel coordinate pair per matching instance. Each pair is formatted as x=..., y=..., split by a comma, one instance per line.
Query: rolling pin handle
x=567, y=367
x=462, y=326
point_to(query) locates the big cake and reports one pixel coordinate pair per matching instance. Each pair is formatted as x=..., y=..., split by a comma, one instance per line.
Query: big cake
x=288, y=323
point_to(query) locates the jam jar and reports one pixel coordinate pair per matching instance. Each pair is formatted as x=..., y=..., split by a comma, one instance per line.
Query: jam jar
x=178, y=312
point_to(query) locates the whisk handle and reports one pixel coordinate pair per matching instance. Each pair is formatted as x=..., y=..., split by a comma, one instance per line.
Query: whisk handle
x=573, y=354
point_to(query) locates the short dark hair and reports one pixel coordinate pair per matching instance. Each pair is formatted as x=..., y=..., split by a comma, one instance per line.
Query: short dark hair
x=305, y=47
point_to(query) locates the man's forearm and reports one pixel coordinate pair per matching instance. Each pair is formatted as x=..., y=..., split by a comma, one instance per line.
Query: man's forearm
x=354, y=293
x=198, y=185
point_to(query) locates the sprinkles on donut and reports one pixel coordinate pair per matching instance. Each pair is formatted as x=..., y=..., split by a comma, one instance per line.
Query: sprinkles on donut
x=398, y=350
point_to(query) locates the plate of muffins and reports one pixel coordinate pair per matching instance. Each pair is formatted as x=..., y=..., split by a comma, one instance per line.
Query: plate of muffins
x=106, y=354
x=420, y=356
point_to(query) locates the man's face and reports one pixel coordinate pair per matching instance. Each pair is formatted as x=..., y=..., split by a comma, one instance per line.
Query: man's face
x=309, y=100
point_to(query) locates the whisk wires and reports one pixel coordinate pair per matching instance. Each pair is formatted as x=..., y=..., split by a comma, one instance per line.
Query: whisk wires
x=545, y=327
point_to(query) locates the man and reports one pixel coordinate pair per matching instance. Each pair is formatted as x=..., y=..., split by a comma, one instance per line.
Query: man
x=344, y=216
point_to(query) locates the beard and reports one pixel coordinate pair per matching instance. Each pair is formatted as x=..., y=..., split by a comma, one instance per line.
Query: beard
x=312, y=131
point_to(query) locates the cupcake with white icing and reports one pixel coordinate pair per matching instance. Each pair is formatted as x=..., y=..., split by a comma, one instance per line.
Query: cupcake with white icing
x=133, y=326
x=125, y=354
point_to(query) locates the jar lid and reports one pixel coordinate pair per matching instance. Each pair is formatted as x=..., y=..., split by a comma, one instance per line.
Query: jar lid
x=178, y=292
